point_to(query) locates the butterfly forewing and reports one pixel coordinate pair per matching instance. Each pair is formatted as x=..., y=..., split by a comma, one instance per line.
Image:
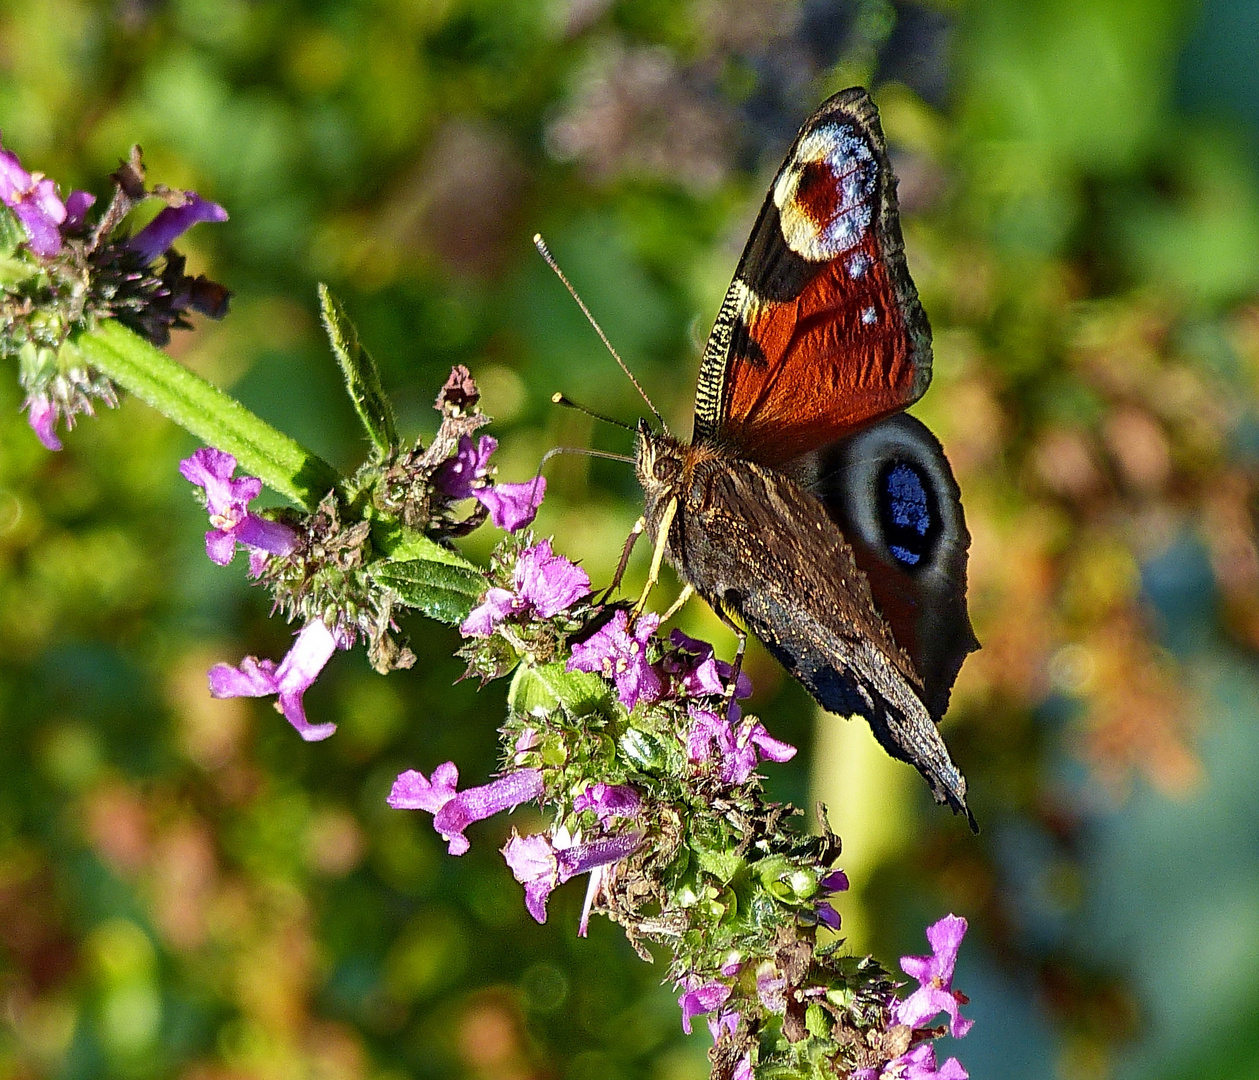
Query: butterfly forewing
x=821, y=331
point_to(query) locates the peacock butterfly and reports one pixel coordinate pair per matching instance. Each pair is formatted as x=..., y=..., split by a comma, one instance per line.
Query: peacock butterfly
x=808, y=506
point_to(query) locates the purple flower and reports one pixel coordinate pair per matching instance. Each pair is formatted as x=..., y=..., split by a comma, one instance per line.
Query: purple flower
x=918, y=1064
x=835, y=881
x=701, y=999
x=727, y=1020
x=771, y=987
x=513, y=506
x=171, y=223
x=698, y=671
x=540, y=864
x=227, y=500
x=453, y=811
x=545, y=583
x=935, y=973
x=77, y=206
x=41, y=414
x=621, y=657
x=289, y=680
x=469, y=463
x=743, y=1070
x=738, y=747
x=464, y=475
x=609, y=801
x=35, y=203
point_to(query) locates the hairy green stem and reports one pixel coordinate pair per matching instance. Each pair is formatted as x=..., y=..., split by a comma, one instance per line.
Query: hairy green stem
x=219, y=420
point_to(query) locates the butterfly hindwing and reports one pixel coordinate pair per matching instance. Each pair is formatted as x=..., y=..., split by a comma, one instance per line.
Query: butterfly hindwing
x=821, y=330
x=890, y=490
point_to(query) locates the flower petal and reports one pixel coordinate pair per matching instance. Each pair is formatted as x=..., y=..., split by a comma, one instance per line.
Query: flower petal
x=171, y=223
x=513, y=506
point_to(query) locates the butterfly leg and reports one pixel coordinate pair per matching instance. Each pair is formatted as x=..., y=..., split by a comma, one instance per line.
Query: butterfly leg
x=662, y=541
x=687, y=592
x=736, y=667
x=626, y=551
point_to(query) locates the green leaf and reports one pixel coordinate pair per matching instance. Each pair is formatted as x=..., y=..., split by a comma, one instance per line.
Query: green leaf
x=400, y=544
x=362, y=379
x=546, y=687
x=217, y=419
x=440, y=590
x=816, y=1022
x=720, y=864
x=11, y=233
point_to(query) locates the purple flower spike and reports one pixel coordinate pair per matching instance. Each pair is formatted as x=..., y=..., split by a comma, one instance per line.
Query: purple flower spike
x=469, y=463
x=288, y=681
x=546, y=584
x=41, y=414
x=935, y=973
x=171, y=223
x=513, y=506
x=621, y=657
x=738, y=748
x=743, y=1070
x=702, y=999
x=609, y=801
x=227, y=501
x=453, y=811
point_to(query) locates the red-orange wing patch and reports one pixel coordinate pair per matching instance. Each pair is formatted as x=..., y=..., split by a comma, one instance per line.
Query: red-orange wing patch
x=821, y=331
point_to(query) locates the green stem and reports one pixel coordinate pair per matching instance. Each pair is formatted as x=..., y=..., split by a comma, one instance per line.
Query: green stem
x=218, y=420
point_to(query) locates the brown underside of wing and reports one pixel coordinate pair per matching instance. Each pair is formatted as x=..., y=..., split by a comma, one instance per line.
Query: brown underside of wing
x=750, y=539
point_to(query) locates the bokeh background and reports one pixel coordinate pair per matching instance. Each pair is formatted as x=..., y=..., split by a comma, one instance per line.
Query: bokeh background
x=187, y=890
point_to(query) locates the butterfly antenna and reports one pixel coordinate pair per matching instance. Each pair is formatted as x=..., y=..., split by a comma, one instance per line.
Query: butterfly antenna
x=545, y=252
x=563, y=399
x=585, y=452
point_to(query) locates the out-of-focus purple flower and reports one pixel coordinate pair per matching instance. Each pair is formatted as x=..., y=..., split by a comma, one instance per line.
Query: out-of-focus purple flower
x=738, y=747
x=540, y=865
x=546, y=584
x=701, y=999
x=835, y=881
x=935, y=973
x=41, y=414
x=171, y=223
x=918, y=1064
x=469, y=463
x=227, y=501
x=35, y=203
x=513, y=506
x=743, y=1070
x=453, y=811
x=289, y=680
x=609, y=801
x=621, y=657
x=698, y=671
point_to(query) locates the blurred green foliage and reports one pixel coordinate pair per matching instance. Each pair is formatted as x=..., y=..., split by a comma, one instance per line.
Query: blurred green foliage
x=187, y=890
